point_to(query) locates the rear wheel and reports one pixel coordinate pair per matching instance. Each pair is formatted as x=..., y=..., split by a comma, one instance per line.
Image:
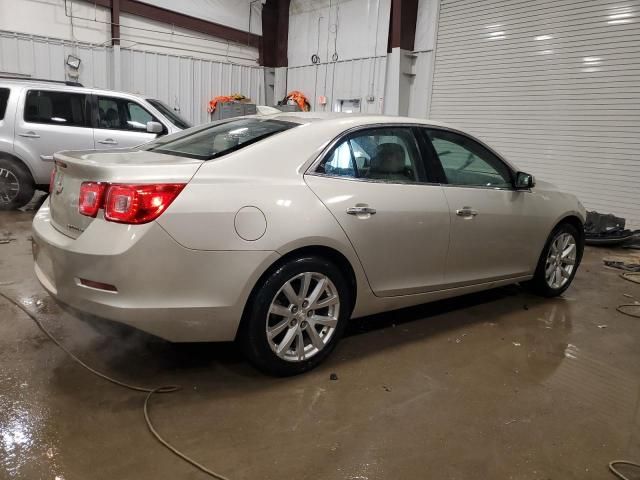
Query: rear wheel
x=296, y=317
x=559, y=261
x=16, y=185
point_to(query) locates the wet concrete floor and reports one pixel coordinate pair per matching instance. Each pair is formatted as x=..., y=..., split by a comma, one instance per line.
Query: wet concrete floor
x=498, y=385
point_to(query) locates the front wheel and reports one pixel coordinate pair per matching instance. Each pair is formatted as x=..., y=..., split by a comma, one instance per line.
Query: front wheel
x=558, y=262
x=296, y=316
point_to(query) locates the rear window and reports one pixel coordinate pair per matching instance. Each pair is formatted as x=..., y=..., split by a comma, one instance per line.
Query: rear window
x=57, y=108
x=219, y=139
x=4, y=99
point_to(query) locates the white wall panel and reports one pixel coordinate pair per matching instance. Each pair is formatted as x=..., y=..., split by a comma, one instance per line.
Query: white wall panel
x=553, y=85
x=352, y=28
x=341, y=80
x=188, y=83
x=40, y=57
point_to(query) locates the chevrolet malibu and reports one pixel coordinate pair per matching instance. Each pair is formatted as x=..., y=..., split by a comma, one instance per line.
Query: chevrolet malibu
x=275, y=230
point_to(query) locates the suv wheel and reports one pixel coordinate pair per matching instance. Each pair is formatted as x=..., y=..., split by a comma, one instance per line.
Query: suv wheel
x=296, y=317
x=16, y=185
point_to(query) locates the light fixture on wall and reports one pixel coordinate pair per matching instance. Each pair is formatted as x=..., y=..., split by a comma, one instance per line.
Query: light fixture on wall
x=73, y=62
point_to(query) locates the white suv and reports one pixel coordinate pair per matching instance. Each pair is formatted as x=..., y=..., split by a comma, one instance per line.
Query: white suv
x=40, y=117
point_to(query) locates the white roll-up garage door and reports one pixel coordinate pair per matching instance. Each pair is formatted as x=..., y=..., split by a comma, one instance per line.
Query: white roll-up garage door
x=554, y=85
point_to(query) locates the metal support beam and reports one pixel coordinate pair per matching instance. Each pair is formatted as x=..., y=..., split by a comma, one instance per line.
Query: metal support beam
x=169, y=17
x=275, y=33
x=115, y=22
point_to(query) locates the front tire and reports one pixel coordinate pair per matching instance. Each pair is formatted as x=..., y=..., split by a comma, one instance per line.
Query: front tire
x=558, y=262
x=16, y=185
x=296, y=316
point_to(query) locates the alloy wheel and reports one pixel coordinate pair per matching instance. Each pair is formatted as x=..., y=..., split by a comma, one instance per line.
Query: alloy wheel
x=9, y=186
x=561, y=260
x=303, y=316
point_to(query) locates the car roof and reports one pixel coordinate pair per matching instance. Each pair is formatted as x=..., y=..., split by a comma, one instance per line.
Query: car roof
x=61, y=85
x=354, y=119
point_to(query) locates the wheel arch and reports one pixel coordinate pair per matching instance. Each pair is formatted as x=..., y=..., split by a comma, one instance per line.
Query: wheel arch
x=573, y=220
x=14, y=158
x=329, y=253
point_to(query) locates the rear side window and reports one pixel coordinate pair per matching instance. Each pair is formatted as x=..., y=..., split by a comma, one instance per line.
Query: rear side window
x=219, y=138
x=57, y=108
x=384, y=154
x=4, y=99
x=122, y=114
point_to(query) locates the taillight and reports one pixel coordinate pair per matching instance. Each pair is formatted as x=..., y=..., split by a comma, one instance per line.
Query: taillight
x=91, y=198
x=139, y=203
x=122, y=203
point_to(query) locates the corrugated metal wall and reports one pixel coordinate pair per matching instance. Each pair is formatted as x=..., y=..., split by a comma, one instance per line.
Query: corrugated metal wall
x=188, y=83
x=183, y=82
x=341, y=80
x=41, y=57
x=554, y=85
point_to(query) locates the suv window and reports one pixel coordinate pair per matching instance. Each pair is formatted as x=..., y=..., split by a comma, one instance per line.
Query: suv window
x=383, y=154
x=170, y=113
x=57, y=108
x=122, y=114
x=466, y=162
x=218, y=139
x=4, y=99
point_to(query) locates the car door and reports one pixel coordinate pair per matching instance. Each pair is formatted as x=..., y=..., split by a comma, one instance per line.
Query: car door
x=121, y=123
x=374, y=183
x=492, y=224
x=48, y=121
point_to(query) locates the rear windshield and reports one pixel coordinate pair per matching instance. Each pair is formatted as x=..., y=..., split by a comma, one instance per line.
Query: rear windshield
x=4, y=98
x=218, y=139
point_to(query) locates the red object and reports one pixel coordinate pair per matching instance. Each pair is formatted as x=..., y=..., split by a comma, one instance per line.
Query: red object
x=130, y=204
x=214, y=102
x=136, y=204
x=91, y=196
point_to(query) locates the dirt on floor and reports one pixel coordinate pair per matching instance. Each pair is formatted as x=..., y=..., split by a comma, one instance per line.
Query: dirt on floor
x=497, y=385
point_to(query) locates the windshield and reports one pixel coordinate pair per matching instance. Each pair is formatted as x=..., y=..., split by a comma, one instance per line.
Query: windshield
x=170, y=113
x=217, y=139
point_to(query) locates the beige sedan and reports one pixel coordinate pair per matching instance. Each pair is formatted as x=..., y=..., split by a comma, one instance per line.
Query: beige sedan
x=275, y=230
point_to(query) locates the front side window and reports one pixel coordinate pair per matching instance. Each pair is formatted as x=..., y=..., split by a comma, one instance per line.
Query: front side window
x=467, y=163
x=4, y=99
x=122, y=114
x=382, y=154
x=215, y=140
x=57, y=108
x=170, y=113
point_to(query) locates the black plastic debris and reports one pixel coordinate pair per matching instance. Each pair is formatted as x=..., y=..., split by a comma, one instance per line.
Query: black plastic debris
x=607, y=229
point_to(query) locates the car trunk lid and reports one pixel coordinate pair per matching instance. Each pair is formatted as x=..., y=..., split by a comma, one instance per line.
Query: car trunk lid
x=125, y=166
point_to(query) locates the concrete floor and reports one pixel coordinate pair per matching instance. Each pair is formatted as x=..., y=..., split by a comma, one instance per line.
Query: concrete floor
x=499, y=385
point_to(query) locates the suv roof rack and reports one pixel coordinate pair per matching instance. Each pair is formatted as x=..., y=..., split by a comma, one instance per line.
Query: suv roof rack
x=30, y=79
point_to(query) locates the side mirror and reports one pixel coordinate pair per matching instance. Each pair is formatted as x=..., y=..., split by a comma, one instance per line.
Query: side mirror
x=154, y=127
x=524, y=181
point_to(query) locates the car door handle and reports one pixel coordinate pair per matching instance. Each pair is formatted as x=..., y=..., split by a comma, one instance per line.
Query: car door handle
x=46, y=158
x=108, y=141
x=466, y=212
x=30, y=134
x=361, y=210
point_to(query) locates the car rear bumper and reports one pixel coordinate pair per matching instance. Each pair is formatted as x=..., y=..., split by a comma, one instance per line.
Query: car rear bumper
x=167, y=290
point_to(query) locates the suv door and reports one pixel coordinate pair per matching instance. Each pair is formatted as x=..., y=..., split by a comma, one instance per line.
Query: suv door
x=121, y=123
x=48, y=121
x=374, y=183
x=493, y=226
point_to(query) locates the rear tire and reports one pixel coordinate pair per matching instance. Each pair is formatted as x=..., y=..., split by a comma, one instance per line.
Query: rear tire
x=296, y=316
x=553, y=273
x=16, y=185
